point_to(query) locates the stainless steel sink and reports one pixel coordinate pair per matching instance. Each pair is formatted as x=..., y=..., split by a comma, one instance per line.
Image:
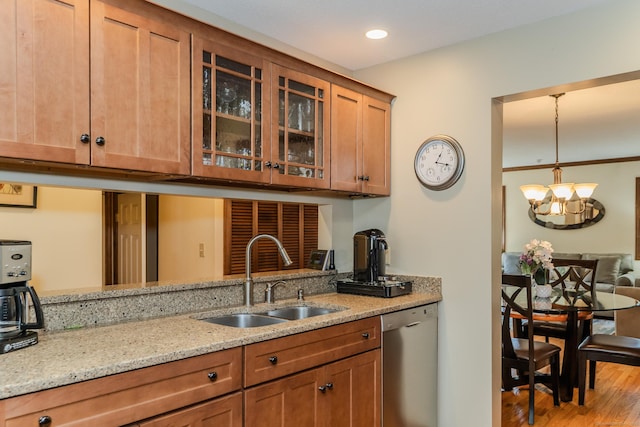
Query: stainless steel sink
x=244, y=320
x=299, y=312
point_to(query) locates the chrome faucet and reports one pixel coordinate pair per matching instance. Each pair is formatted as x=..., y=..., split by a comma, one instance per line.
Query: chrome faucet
x=270, y=291
x=248, y=282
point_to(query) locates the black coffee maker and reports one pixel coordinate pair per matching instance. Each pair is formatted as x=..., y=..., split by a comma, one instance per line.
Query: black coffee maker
x=369, y=248
x=15, y=293
x=369, y=268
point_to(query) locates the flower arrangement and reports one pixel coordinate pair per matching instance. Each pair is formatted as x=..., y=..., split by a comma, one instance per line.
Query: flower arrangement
x=536, y=256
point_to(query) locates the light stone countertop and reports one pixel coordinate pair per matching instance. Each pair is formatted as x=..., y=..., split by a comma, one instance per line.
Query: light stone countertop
x=72, y=356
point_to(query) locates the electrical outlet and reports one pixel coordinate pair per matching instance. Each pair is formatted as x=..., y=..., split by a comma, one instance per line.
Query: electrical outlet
x=201, y=247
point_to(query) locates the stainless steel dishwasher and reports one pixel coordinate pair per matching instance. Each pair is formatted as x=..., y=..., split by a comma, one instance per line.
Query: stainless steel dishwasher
x=410, y=367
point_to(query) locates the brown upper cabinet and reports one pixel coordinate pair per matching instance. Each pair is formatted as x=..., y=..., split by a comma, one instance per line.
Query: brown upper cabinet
x=360, y=143
x=255, y=121
x=126, y=85
x=101, y=83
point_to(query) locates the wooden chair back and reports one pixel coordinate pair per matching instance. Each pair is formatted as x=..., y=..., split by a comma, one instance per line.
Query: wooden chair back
x=578, y=274
x=512, y=287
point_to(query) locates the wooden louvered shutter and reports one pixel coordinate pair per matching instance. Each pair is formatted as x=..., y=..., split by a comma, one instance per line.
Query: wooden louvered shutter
x=265, y=256
x=309, y=232
x=291, y=232
x=238, y=226
x=295, y=225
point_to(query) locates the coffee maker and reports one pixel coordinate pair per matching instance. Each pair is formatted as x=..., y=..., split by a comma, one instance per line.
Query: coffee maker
x=369, y=268
x=15, y=293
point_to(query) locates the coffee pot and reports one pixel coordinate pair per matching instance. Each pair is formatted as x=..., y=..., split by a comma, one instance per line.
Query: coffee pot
x=16, y=296
x=369, y=248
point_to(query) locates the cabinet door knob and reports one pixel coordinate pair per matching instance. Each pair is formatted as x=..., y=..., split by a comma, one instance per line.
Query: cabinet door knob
x=44, y=421
x=267, y=163
x=85, y=138
x=365, y=335
x=323, y=388
x=213, y=376
x=365, y=178
x=360, y=177
x=100, y=141
x=273, y=360
x=329, y=386
x=276, y=165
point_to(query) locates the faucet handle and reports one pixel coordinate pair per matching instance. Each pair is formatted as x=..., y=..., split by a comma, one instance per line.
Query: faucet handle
x=270, y=293
x=300, y=295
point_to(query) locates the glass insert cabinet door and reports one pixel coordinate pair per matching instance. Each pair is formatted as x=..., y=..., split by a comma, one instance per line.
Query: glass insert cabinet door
x=301, y=104
x=229, y=121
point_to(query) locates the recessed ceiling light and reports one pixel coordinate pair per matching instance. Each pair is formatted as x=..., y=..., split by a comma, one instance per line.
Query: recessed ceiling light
x=376, y=34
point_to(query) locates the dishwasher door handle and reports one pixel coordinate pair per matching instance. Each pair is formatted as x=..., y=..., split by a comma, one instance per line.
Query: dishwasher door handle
x=412, y=324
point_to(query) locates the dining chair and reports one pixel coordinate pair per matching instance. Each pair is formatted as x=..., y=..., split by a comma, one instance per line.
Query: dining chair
x=525, y=355
x=568, y=274
x=622, y=348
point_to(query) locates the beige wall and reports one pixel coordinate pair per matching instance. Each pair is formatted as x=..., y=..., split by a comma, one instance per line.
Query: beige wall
x=185, y=223
x=616, y=191
x=455, y=234
x=66, y=235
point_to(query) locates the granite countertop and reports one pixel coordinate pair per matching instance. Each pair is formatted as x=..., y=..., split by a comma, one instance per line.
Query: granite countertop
x=71, y=356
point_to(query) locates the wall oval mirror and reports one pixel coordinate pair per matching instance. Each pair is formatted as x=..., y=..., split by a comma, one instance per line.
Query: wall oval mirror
x=586, y=215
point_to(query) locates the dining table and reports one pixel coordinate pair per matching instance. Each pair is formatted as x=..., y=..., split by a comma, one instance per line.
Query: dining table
x=572, y=302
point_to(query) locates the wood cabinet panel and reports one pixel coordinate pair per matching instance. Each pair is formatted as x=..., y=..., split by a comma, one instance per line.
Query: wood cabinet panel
x=130, y=396
x=140, y=91
x=44, y=80
x=360, y=143
x=290, y=402
x=354, y=396
x=307, y=350
x=73, y=71
x=376, y=146
x=343, y=393
x=222, y=412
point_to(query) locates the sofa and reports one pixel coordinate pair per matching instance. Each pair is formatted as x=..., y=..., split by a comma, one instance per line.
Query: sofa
x=614, y=269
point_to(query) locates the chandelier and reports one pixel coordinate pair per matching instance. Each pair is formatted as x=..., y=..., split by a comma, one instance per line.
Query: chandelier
x=561, y=193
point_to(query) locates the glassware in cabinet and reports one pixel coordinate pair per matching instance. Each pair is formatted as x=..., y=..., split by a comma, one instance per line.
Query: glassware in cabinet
x=303, y=100
x=229, y=132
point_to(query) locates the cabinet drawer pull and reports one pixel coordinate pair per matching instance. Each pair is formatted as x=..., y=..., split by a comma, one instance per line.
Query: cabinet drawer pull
x=213, y=376
x=273, y=360
x=365, y=335
x=85, y=138
x=100, y=141
x=44, y=421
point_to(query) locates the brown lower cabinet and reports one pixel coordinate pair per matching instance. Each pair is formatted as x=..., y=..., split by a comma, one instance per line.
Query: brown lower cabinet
x=223, y=412
x=324, y=377
x=343, y=393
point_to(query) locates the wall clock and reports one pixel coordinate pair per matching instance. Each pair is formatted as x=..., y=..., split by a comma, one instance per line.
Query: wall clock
x=439, y=162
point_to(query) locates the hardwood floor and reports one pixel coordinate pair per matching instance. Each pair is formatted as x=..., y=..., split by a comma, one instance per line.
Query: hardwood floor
x=615, y=401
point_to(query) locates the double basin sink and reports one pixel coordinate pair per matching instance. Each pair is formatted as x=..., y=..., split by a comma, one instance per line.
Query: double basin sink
x=270, y=317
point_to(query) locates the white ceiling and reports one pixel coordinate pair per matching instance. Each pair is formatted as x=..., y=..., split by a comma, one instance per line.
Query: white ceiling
x=334, y=31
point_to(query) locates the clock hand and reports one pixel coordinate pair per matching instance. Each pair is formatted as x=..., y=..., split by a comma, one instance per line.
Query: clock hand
x=439, y=155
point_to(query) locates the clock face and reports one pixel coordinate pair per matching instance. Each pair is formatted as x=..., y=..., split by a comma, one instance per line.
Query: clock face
x=439, y=162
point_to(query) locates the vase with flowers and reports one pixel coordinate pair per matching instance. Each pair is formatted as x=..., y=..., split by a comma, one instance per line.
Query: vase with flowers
x=536, y=260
